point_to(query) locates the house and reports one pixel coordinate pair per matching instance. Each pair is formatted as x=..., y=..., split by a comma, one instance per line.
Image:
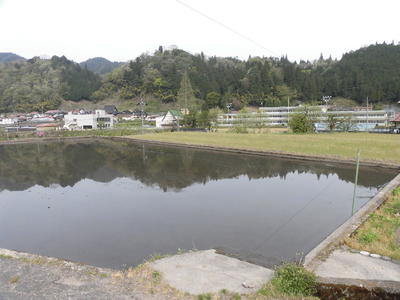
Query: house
x=47, y=127
x=170, y=119
x=111, y=109
x=99, y=119
x=396, y=121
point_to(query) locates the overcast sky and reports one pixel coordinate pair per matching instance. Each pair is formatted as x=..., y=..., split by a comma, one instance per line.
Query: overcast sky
x=120, y=30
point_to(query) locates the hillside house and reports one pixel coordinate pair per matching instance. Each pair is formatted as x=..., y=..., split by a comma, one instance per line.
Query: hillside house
x=170, y=119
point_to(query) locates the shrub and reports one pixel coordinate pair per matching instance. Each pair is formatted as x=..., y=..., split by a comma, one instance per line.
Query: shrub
x=293, y=279
x=303, y=120
x=239, y=129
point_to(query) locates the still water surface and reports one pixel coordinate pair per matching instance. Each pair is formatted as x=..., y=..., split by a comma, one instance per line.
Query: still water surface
x=114, y=204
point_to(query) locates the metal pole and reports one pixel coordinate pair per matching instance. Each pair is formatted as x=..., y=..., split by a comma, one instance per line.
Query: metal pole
x=288, y=111
x=367, y=114
x=356, y=180
x=142, y=103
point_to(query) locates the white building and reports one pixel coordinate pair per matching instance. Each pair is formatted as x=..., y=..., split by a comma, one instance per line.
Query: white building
x=279, y=116
x=99, y=119
x=8, y=121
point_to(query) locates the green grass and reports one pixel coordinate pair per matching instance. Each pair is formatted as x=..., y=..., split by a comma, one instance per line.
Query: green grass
x=156, y=276
x=293, y=280
x=374, y=147
x=378, y=233
x=5, y=256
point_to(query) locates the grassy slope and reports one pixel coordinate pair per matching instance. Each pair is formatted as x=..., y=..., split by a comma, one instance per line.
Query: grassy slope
x=378, y=147
x=378, y=233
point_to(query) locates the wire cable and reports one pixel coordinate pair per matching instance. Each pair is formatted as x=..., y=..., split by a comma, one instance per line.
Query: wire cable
x=227, y=27
x=292, y=217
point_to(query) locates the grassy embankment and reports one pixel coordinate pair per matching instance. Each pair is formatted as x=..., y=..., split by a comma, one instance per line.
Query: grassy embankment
x=374, y=147
x=380, y=233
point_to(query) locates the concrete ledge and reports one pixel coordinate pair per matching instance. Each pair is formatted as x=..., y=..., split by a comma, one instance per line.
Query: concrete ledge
x=313, y=258
x=209, y=272
x=45, y=140
x=387, y=286
x=40, y=259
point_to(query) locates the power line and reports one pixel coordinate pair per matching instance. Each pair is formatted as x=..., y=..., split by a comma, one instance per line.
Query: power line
x=292, y=216
x=226, y=27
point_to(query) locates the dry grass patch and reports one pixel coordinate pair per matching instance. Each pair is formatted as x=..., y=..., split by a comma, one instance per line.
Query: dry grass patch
x=380, y=233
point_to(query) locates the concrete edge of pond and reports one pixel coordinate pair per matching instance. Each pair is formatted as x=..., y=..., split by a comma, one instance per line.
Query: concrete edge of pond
x=322, y=251
x=41, y=259
x=206, y=271
x=391, y=287
x=326, y=159
x=44, y=140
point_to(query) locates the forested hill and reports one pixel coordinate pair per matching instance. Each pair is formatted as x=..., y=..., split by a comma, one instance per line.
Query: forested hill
x=100, y=65
x=38, y=84
x=9, y=57
x=168, y=76
x=373, y=71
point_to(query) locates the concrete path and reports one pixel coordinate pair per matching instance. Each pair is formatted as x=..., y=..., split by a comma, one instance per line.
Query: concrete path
x=344, y=264
x=208, y=272
x=27, y=276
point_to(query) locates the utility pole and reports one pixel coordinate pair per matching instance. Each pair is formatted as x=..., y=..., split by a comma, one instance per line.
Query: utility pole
x=326, y=99
x=356, y=181
x=142, y=104
x=367, y=114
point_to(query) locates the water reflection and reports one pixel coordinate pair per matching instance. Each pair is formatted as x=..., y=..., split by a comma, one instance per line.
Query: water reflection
x=114, y=204
x=66, y=163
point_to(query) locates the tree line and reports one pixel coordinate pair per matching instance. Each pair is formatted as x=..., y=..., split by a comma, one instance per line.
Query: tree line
x=182, y=79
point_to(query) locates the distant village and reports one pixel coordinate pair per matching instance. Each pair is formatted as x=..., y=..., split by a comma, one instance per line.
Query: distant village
x=80, y=119
x=362, y=119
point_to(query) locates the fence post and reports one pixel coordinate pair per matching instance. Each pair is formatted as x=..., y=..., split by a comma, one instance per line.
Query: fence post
x=356, y=180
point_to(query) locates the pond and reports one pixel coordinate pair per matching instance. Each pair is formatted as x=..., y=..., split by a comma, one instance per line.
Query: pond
x=114, y=204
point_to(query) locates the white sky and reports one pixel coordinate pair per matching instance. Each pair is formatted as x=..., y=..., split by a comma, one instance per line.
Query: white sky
x=120, y=30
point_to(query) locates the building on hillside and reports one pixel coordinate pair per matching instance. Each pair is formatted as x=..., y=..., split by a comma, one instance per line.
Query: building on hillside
x=99, y=119
x=170, y=119
x=111, y=109
x=361, y=120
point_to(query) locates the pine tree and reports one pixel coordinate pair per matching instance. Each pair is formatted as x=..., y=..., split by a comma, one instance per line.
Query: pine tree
x=186, y=99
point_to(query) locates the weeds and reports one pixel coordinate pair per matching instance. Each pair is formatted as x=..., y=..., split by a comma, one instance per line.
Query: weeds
x=368, y=237
x=294, y=280
x=14, y=280
x=204, y=297
x=156, y=276
x=236, y=297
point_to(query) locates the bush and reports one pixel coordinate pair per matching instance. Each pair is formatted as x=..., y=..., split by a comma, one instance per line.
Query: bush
x=239, y=129
x=303, y=120
x=293, y=279
x=300, y=123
